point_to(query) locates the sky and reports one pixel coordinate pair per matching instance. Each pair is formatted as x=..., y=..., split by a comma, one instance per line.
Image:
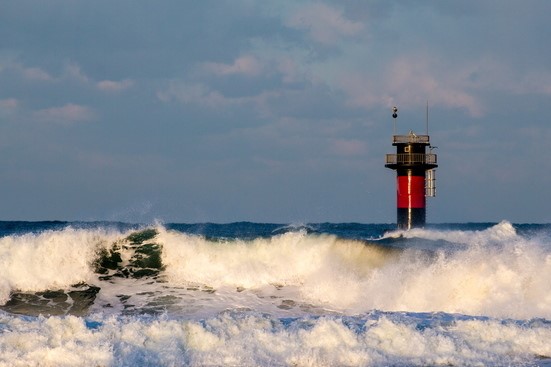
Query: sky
x=280, y=111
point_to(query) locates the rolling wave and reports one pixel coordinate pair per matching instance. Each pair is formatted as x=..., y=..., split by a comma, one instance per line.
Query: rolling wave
x=494, y=272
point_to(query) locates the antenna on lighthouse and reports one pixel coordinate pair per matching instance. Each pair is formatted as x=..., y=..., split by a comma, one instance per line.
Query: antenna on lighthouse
x=427, y=120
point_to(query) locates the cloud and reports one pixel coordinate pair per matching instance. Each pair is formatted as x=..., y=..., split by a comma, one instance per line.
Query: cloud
x=114, y=86
x=324, y=24
x=419, y=78
x=246, y=65
x=197, y=93
x=202, y=95
x=8, y=107
x=29, y=73
x=8, y=104
x=73, y=71
x=411, y=80
x=36, y=74
x=289, y=69
x=66, y=114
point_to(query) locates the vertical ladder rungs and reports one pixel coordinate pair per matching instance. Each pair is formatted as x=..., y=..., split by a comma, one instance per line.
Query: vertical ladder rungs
x=430, y=183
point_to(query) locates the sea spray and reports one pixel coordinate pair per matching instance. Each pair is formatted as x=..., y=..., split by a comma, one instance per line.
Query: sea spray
x=326, y=294
x=373, y=339
x=50, y=259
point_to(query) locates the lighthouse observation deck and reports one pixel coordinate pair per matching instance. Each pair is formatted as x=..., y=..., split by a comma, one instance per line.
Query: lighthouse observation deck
x=411, y=158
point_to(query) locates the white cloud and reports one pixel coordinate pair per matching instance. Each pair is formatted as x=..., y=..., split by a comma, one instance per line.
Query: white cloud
x=200, y=94
x=192, y=94
x=325, y=24
x=36, y=74
x=8, y=104
x=114, y=86
x=29, y=73
x=411, y=80
x=293, y=70
x=65, y=114
x=418, y=79
x=73, y=71
x=246, y=65
x=8, y=107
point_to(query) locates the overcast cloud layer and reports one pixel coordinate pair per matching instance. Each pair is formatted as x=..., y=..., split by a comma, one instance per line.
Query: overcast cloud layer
x=221, y=111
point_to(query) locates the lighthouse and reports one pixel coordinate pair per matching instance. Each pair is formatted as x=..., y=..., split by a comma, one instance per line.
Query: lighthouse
x=415, y=178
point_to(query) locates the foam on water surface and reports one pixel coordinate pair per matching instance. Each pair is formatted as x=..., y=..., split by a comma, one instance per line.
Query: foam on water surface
x=247, y=339
x=299, y=297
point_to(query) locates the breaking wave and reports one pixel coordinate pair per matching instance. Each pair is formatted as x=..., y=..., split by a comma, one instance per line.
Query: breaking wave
x=275, y=295
x=493, y=272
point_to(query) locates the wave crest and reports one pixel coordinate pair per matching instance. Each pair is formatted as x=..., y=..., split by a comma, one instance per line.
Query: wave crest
x=494, y=272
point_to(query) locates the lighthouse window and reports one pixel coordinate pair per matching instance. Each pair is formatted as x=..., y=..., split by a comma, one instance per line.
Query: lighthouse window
x=407, y=149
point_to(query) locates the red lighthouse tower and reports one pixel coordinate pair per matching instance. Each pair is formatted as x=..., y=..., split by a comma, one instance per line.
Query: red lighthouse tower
x=415, y=176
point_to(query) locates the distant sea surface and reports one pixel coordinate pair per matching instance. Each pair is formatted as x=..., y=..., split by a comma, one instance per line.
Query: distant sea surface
x=257, y=294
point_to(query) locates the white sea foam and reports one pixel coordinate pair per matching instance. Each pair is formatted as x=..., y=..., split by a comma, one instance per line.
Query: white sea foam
x=503, y=232
x=49, y=260
x=494, y=272
x=295, y=299
x=288, y=259
x=253, y=340
x=498, y=273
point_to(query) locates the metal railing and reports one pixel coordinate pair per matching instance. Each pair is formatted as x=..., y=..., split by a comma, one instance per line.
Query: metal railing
x=411, y=158
x=411, y=138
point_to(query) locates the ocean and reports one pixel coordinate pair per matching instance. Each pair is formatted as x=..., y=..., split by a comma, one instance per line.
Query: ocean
x=258, y=294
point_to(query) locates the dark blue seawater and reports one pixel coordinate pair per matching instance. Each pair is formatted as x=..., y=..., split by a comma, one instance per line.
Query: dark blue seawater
x=274, y=294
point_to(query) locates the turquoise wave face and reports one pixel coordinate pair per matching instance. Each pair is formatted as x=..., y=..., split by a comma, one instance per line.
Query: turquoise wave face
x=143, y=257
